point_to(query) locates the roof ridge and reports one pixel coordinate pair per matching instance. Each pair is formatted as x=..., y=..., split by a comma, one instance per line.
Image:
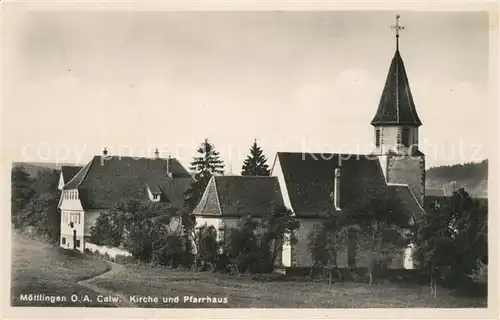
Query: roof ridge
x=411, y=192
x=217, y=197
x=391, y=102
x=408, y=95
x=136, y=158
x=87, y=166
x=330, y=153
x=202, y=203
x=397, y=85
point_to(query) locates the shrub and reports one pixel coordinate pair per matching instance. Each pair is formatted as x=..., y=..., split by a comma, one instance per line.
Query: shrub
x=480, y=275
x=208, y=248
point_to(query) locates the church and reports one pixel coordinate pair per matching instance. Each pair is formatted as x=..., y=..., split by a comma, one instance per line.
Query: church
x=307, y=183
x=311, y=185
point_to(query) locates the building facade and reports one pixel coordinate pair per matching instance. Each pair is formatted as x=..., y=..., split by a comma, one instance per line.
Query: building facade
x=107, y=180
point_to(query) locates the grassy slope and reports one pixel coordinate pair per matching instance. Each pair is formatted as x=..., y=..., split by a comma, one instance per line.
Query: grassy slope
x=244, y=292
x=39, y=268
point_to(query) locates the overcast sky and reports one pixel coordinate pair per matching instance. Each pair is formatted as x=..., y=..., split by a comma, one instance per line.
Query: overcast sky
x=296, y=81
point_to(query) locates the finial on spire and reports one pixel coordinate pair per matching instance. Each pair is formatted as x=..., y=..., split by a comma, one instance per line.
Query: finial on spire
x=397, y=27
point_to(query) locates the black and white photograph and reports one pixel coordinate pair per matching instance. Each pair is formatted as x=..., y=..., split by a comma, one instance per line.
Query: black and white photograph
x=331, y=159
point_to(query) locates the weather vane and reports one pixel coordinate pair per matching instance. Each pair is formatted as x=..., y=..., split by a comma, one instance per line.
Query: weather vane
x=397, y=27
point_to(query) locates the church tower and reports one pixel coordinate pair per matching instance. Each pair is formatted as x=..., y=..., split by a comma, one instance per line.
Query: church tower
x=396, y=125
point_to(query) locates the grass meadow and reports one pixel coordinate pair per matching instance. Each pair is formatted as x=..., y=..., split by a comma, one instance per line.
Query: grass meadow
x=39, y=268
x=244, y=292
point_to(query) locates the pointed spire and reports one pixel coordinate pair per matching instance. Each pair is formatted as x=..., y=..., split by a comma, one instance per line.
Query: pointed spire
x=396, y=105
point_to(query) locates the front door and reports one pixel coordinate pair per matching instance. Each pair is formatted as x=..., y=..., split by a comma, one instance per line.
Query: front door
x=74, y=239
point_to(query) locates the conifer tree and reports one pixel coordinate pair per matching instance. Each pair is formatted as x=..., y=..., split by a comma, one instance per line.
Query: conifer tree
x=255, y=163
x=206, y=164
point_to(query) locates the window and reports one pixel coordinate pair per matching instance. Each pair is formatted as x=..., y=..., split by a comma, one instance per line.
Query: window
x=78, y=243
x=63, y=240
x=406, y=137
x=377, y=138
x=221, y=234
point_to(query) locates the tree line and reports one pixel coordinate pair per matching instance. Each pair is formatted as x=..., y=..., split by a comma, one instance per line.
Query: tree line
x=450, y=241
x=34, y=201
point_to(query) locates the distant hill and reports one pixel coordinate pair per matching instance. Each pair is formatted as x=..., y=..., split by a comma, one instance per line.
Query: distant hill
x=473, y=177
x=32, y=168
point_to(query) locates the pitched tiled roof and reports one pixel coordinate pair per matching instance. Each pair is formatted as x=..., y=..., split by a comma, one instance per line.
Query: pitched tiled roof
x=68, y=172
x=407, y=200
x=396, y=104
x=107, y=180
x=235, y=196
x=309, y=180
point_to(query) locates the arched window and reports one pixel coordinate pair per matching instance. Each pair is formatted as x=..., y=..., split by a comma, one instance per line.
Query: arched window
x=405, y=137
x=377, y=138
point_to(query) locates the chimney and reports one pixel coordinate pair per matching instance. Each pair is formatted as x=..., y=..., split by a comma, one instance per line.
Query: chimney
x=157, y=154
x=105, y=152
x=336, y=189
x=168, y=173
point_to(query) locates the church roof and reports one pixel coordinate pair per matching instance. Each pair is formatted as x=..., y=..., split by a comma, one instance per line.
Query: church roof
x=68, y=172
x=309, y=181
x=238, y=196
x=106, y=180
x=396, y=105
